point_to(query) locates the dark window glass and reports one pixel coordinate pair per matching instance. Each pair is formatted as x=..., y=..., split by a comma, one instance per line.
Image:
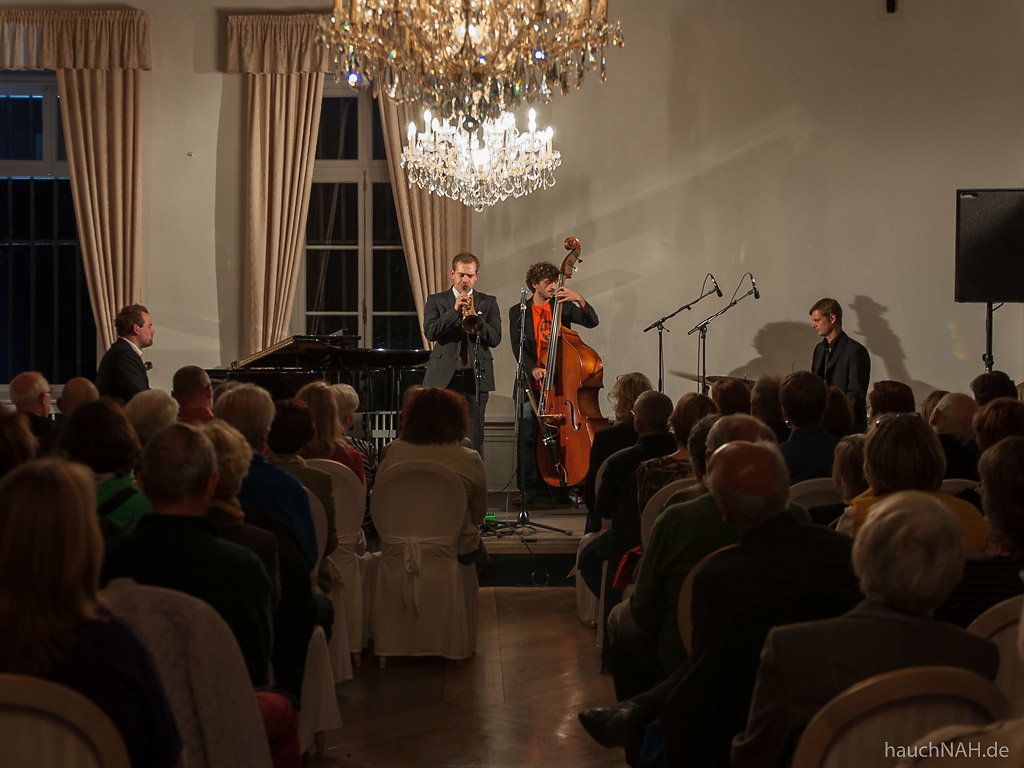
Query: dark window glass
x=396, y=332
x=332, y=281
x=21, y=127
x=21, y=209
x=385, y=217
x=338, y=138
x=392, y=291
x=43, y=212
x=333, y=214
x=379, y=153
x=317, y=325
x=67, y=226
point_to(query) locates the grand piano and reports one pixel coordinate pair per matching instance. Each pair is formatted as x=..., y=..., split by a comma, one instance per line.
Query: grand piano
x=380, y=376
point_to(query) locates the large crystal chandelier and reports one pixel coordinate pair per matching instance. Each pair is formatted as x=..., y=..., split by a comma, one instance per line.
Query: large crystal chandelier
x=469, y=60
x=447, y=160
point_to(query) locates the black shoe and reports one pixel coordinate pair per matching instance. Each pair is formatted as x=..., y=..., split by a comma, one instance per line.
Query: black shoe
x=620, y=726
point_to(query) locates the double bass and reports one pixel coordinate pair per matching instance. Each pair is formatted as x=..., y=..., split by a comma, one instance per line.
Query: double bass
x=568, y=411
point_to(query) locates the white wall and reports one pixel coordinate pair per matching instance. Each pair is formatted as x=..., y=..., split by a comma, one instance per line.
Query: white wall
x=808, y=142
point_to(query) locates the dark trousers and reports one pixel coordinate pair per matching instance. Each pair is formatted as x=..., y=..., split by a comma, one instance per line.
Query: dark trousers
x=464, y=382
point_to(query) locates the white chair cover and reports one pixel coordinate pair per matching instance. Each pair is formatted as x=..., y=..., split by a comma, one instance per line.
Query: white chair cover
x=816, y=492
x=319, y=701
x=421, y=596
x=203, y=672
x=1001, y=625
x=587, y=605
x=656, y=504
x=320, y=524
x=955, y=485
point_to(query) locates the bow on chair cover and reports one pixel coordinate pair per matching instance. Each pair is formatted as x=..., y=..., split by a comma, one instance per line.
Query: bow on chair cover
x=413, y=550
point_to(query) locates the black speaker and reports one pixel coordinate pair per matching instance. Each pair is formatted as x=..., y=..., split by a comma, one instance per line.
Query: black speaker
x=989, y=245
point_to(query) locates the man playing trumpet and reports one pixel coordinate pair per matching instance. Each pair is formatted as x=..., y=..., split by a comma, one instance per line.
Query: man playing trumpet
x=464, y=325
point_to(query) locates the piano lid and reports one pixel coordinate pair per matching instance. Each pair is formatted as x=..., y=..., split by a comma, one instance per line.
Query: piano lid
x=327, y=352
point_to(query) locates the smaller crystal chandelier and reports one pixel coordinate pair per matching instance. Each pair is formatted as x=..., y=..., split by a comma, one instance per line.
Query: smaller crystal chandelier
x=448, y=160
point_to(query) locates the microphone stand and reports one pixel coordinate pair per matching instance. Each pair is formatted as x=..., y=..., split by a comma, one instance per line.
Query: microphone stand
x=660, y=325
x=702, y=340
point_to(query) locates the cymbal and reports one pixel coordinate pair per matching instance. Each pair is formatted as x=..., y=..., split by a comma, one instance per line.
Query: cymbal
x=696, y=378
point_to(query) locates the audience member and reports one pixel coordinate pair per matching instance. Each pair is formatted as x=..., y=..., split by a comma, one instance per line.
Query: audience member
x=952, y=419
x=267, y=488
x=839, y=418
x=435, y=421
x=192, y=389
x=121, y=373
x=731, y=395
x=348, y=403
x=54, y=627
x=99, y=435
x=30, y=393
x=902, y=453
x=908, y=556
x=697, y=447
x=988, y=386
x=890, y=397
x=847, y=477
x=809, y=450
x=619, y=435
x=999, y=418
x=929, y=403
x=179, y=548
x=150, y=411
x=224, y=387
x=17, y=444
x=766, y=404
x=329, y=441
x=74, y=393
x=655, y=473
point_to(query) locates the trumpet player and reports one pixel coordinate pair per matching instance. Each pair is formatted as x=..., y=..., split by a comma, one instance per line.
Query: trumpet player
x=464, y=325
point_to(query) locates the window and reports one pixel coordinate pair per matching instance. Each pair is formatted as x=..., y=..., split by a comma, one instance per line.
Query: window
x=46, y=321
x=354, y=279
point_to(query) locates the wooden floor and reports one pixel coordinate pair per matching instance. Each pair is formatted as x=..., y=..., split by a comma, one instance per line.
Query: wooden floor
x=512, y=705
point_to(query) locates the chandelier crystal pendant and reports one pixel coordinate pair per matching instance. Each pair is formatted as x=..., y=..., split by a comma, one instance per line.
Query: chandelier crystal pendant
x=448, y=160
x=469, y=60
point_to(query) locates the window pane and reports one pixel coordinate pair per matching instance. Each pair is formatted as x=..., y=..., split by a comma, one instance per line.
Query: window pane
x=385, y=217
x=319, y=325
x=332, y=281
x=19, y=309
x=44, y=202
x=5, y=219
x=21, y=220
x=338, y=138
x=379, y=153
x=67, y=226
x=43, y=308
x=401, y=332
x=62, y=150
x=333, y=214
x=21, y=127
x=392, y=291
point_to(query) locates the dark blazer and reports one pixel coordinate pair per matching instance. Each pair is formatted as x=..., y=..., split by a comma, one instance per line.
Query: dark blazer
x=571, y=313
x=809, y=453
x=606, y=442
x=849, y=368
x=121, y=373
x=804, y=666
x=443, y=325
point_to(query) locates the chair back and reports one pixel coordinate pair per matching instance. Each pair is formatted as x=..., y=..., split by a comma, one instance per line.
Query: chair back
x=656, y=504
x=896, y=708
x=955, y=485
x=599, y=477
x=686, y=598
x=816, y=492
x=320, y=524
x=420, y=499
x=1000, y=624
x=349, y=495
x=50, y=726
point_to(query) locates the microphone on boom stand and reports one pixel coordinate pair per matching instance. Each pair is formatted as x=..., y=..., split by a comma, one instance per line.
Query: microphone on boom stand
x=715, y=283
x=757, y=293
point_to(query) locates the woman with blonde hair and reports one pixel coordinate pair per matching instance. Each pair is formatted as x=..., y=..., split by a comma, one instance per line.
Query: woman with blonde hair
x=51, y=552
x=348, y=404
x=329, y=440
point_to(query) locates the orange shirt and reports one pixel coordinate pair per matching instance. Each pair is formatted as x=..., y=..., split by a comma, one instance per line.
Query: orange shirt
x=542, y=331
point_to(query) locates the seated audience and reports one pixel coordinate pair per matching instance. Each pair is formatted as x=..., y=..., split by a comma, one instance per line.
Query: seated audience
x=77, y=391
x=890, y=397
x=809, y=450
x=655, y=473
x=348, y=403
x=902, y=453
x=619, y=435
x=988, y=386
x=177, y=547
x=929, y=403
x=731, y=395
x=847, y=477
x=30, y=393
x=17, y=444
x=435, y=421
x=192, y=389
x=999, y=418
x=150, y=411
x=908, y=556
x=329, y=441
x=697, y=447
x=839, y=419
x=99, y=435
x=952, y=419
x=53, y=625
x=766, y=404
x=989, y=580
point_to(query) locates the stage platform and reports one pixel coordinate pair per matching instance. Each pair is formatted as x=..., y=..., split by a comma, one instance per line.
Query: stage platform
x=513, y=539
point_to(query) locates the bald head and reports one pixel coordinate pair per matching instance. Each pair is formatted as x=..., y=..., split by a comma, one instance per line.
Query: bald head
x=191, y=387
x=749, y=482
x=954, y=415
x=738, y=426
x=30, y=393
x=77, y=391
x=652, y=410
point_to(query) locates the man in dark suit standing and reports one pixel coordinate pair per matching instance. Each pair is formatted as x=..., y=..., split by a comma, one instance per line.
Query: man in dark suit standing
x=122, y=374
x=840, y=360
x=464, y=325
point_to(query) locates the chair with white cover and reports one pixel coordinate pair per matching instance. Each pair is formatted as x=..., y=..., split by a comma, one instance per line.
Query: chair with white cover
x=47, y=725
x=588, y=605
x=421, y=597
x=816, y=492
x=203, y=671
x=656, y=504
x=955, y=485
x=348, y=561
x=1000, y=624
x=896, y=708
x=683, y=619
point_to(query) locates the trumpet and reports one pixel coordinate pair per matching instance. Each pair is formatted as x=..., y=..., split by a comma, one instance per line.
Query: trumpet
x=471, y=321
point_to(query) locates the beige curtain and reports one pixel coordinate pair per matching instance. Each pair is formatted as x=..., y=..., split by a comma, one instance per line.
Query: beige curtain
x=433, y=228
x=284, y=66
x=98, y=56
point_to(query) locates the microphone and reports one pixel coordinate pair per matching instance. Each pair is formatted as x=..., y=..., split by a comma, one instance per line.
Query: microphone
x=715, y=283
x=147, y=365
x=522, y=297
x=753, y=284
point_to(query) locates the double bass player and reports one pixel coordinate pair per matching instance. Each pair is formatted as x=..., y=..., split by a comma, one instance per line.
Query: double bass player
x=542, y=280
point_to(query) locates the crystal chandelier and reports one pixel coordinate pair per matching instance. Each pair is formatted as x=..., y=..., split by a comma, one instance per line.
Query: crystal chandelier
x=469, y=60
x=450, y=161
